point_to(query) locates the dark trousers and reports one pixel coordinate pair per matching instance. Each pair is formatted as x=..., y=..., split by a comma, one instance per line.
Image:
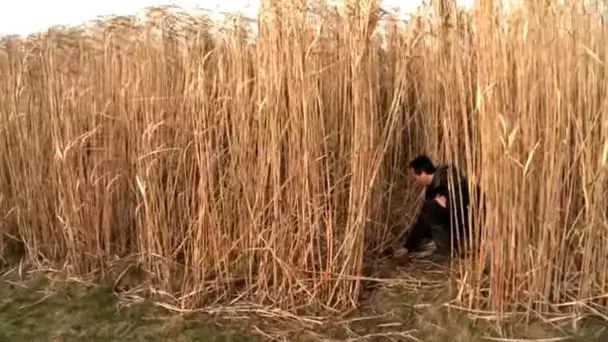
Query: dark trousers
x=434, y=222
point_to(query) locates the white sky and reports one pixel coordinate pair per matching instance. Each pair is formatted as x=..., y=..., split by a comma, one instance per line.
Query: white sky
x=29, y=16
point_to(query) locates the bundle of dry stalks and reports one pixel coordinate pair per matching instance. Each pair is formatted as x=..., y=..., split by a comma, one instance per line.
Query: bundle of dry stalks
x=264, y=169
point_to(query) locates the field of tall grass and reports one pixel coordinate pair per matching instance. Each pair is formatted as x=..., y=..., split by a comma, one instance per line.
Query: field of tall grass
x=270, y=168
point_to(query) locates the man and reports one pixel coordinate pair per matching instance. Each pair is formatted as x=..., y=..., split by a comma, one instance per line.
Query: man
x=443, y=215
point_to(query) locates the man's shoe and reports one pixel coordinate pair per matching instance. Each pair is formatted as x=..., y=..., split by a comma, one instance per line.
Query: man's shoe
x=437, y=257
x=400, y=253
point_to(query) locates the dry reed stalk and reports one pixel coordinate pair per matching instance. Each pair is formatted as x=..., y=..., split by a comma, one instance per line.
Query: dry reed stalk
x=542, y=94
x=267, y=169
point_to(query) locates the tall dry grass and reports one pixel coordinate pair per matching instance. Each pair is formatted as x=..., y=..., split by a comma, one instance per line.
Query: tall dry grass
x=269, y=169
x=543, y=154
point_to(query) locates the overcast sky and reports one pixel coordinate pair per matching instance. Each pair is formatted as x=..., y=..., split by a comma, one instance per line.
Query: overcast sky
x=29, y=16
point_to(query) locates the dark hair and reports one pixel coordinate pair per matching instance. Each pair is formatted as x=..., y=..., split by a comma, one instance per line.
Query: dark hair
x=421, y=164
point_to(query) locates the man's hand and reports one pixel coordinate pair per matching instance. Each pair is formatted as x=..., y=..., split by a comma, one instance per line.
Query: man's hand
x=441, y=200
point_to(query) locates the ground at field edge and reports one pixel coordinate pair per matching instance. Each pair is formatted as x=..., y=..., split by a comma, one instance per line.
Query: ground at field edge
x=38, y=308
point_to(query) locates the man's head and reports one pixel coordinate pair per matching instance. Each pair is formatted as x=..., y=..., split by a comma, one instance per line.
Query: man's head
x=422, y=169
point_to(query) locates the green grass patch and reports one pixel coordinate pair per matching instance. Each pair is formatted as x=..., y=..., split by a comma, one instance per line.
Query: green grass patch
x=36, y=310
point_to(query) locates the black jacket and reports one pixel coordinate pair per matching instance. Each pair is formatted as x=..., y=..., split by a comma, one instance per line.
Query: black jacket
x=451, y=184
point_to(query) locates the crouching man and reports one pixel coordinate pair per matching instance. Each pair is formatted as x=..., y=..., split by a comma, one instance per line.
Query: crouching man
x=443, y=216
